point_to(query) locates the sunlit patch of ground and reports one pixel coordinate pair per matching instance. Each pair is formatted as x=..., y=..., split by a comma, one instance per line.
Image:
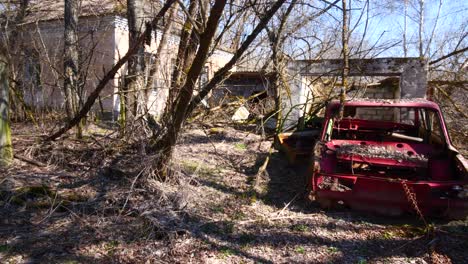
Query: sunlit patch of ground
x=83, y=207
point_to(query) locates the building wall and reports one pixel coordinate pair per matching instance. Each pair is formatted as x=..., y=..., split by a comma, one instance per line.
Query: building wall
x=387, y=89
x=103, y=41
x=240, y=84
x=45, y=41
x=411, y=72
x=217, y=60
x=161, y=83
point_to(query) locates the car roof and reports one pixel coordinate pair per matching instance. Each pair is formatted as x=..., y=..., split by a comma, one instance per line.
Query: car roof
x=412, y=102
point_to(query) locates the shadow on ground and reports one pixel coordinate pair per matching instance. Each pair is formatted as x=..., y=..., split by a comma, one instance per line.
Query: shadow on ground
x=106, y=225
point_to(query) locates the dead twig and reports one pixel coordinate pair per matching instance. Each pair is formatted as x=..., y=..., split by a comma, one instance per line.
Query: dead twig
x=276, y=218
x=288, y=204
x=131, y=191
x=262, y=169
x=97, y=141
x=51, y=210
x=30, y=161
x=82, y=220
x=407, y=243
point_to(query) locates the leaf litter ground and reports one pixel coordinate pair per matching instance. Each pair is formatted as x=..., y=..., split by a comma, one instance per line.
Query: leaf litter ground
x=86, y=206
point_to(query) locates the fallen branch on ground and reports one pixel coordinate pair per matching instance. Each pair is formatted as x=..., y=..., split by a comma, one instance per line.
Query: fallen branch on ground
x=277, y=218
x=262, y=169
x=30, y=161
x=288, y=204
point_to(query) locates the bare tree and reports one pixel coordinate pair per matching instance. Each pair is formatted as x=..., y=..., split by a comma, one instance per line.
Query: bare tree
x=11, y=32
x=345, y=72
x=405, y=28
x=94, y=95
x=187, y=47
x=134, y=81
x=185, y=102
x=71, y=61
x=221, y=74
x=179, y=108
x=421, y=27
x=277, y=40
x=6, y=149
x=154, y=68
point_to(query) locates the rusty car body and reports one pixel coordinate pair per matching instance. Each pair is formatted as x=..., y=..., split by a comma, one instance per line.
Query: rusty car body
x=387, y=156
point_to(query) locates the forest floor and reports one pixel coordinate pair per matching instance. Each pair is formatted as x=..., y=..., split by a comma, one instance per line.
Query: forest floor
x=83, y=202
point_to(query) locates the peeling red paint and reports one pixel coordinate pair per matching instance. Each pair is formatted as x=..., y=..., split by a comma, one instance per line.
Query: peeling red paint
x=364, y=163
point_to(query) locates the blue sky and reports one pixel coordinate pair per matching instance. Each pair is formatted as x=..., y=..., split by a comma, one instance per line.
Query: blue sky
x=453, y=14
x=386, y=23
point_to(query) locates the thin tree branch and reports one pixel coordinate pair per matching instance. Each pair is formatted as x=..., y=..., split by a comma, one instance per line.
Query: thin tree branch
x=222, y=73
x=189, y=17
x=455, y=52
x=110, y=75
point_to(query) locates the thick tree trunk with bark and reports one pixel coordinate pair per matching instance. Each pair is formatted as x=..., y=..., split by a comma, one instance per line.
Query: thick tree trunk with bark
x=71, y=61
x=345, y=72
x=179, y=109
x=154, y=68
x=134, y=81
x=185, y=37
x=6, y=149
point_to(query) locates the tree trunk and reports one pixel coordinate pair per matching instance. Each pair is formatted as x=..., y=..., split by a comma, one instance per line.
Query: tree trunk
x=6, y=149
x=276, y=83
x=405, y=25
x=167, y=143
x=17, y=104
x=110, y=75
x=421, y=28
x=277, y=45
x=345, y=72
x=6, y=67
x=153, y=74
x=134, y=81
x=185, y=37
x=71, y=63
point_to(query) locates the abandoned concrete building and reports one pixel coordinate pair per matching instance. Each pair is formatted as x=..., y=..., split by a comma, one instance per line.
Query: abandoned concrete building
x=312, y=81
x=242, y=84
x=104, y=37
x=103, y=33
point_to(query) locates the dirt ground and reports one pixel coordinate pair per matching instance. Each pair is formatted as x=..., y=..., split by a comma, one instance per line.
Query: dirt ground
x=84, y=203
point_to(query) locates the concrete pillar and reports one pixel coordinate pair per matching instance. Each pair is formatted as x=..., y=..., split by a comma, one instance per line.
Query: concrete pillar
x=292, y=99
x=413, y=79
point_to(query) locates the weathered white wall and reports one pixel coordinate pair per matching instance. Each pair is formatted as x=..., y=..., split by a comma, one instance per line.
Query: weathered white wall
x=46, y=40
x=411, y=71
x=104, y=40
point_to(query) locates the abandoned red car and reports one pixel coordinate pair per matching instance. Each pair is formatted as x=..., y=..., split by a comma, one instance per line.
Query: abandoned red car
x=390, y=157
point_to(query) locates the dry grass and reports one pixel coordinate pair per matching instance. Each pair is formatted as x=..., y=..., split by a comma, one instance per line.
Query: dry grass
x=92, y=199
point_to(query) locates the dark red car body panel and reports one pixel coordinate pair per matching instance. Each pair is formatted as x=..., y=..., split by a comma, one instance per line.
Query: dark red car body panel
x=385, y=190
